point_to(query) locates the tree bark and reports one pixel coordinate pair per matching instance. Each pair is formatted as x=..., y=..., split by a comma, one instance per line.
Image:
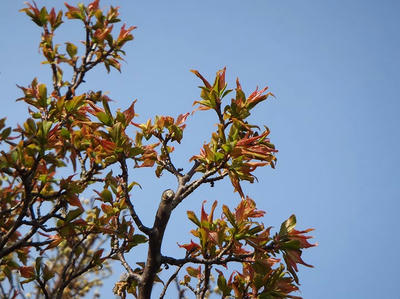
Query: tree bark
x=153, y=262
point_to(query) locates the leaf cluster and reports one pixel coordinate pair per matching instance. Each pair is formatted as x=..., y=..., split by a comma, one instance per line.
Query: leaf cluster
x=72, y=144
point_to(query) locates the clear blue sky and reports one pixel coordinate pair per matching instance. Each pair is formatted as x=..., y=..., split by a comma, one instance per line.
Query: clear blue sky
x=334, y=67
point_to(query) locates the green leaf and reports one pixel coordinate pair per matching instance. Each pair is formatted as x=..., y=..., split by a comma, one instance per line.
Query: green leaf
x=6, y=132
x=65, y=133
x=106, y=195
x=291, y=245
x=42, y=95
x=192, y=217
x=47, y=273
x=138, y=239
x=38, y=263
x=104, y=118
x=73, y=214
x=288, y=226
x=194, y=272
x=106, y=106
x=229, y=215
x=71, y=49
x=133, y=184
x=222, y=285
x=46, y=125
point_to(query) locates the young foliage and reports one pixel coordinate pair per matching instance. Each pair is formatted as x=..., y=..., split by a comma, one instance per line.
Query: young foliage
x=62, y=244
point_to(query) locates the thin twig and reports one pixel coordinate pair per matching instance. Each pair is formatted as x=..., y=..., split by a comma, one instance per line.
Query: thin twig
x=128, y=268
x=128, y=201
x=173, y=277
x=213, y=261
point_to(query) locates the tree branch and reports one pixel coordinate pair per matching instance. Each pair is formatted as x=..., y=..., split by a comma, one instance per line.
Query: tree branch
x=132, y=211
x=213, y=261
x=153, y=261
x=172, y=278
x=128, y=268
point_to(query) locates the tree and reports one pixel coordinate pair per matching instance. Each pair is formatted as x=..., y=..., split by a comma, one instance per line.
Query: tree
x=62, y=246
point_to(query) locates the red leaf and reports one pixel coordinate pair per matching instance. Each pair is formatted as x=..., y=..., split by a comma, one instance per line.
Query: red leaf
x=94, y=5
x=221, y=78
x=293, y=257
x=108, y=146
x=191, y=246
x=101, y=34
x=124, y=33
x=247, y=141
x=130, y=112
x=97, y=254
x=181, y=118
x=235, y=183
x=27, y=272
x=107, y=208
x=74, y=201
x=52, y=17
x=34, y=8
x=206, y=83
x=298, y=235
x=56, y=240
x=80, y=222
x=204, y=215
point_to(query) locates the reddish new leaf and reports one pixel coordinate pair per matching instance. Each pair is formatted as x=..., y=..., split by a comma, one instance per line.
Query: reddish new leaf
x=192, y=246
x=130, y=112
x=74, y=201
x=27, y=272
x=206, y=83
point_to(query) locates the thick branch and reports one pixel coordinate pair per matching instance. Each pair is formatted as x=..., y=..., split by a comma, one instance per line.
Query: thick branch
x=206, y=281
x=153, y=261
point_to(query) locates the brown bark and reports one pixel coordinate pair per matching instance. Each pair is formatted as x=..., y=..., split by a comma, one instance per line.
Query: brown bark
x=153, y=262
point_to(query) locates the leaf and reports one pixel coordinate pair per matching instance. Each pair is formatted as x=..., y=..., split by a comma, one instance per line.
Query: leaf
x=93, y=6
x=192, y=217
x=74, y=201
x=42, y=94
x=206, y=83
x=38, y=263
x=27, y=271
x=204, y=215
x=191, y=246
x=138, y=239
x=104, y=118
x=222, y=284
x=181, y=118
x=97, y=254
x=47, y=273
x=57, y=239
x=287, y=226
x=124, y=35
x=5, y=133
x=194, y=272
x=132, y=184
x=211, y=215
x=73, y=214
x=106, y=195
x=130, y=112
x=71, y=49
x=73, y=12
x=107, y=209
x=229, y=215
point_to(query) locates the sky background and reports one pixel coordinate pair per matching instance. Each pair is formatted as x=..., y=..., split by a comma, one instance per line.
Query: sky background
x=334, y=68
